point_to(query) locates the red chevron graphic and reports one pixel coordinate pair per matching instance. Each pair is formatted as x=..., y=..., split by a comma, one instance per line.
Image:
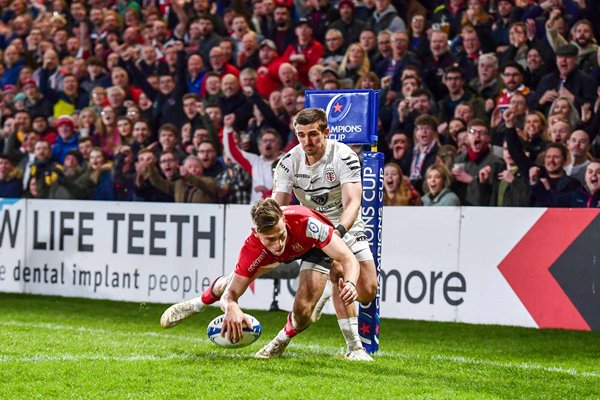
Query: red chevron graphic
x=526, y=268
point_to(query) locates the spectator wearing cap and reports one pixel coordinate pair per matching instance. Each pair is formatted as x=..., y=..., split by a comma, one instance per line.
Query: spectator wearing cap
x=306, y=52
x=67, y=139
x=568, y=81
x=35, y=103
x=349, y=26
x=74, y=183
x=581, y=36
x=9, y=92
x=10, y=178
x=320, y=15
x=267, y=79
x=386, y=17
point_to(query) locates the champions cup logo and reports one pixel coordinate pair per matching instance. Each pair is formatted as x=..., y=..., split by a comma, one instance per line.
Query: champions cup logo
x=351, y=114
x=337, y=109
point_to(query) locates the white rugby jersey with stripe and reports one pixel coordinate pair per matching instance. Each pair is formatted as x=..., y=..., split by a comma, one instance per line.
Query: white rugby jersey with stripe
x=319, y=186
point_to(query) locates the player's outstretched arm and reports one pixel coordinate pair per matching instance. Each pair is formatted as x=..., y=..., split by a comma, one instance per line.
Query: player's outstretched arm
x=351, y=201
x=234, y=317
x=338, y=251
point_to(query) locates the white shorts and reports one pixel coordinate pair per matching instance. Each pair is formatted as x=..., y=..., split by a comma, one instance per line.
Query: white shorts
x=317, y=260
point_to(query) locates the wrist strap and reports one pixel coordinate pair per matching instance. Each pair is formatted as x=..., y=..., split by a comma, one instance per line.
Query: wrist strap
x=350, y=282
x=341, y=229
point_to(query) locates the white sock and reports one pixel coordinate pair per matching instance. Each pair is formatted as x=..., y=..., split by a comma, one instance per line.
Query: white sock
x=349, y=328
x=282, y=336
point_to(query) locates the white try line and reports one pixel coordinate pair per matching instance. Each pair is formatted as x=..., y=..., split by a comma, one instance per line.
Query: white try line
x=321, y=350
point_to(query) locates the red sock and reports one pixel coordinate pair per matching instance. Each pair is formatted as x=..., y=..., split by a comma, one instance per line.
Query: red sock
x=208, y=297
x=289, y=329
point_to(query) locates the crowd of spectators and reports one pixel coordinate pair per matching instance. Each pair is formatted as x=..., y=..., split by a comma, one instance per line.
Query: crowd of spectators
x=482, y=102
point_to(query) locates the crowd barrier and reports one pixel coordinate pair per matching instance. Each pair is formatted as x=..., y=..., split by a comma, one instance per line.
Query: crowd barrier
x=531, y=267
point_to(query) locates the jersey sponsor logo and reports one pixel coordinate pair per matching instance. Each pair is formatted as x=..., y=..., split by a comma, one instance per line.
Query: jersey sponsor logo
x=329, y=175
x=306, y=176
x=283, y=167
x=258, y=260
x=320, y=199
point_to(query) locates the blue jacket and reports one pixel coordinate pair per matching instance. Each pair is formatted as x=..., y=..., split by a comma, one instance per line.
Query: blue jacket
x=60, y=148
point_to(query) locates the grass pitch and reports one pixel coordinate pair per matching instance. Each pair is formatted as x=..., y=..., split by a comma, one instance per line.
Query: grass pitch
x=54, y=347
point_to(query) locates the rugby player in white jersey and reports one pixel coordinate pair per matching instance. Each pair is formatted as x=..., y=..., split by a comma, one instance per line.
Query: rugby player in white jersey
x=325, y=175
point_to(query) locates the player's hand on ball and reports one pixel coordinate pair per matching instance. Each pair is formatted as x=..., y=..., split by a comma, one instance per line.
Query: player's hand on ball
x=347, y=291
x=233, y=324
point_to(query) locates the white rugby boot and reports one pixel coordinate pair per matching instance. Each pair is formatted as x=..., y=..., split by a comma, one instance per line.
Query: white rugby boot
x=180, y=311
x=273, y=349
x=358, y=355
x=316, y=314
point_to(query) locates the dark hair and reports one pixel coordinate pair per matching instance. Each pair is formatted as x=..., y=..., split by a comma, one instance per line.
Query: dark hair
x=513, y=64
x=309, y=116
x=169, y=127
x=454, y=69
x=559, y=146
x=427, y=120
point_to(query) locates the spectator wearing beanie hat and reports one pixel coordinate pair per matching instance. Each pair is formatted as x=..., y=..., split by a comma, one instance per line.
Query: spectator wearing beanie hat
x=67, y=138
x=74, y=183
x=348, y=24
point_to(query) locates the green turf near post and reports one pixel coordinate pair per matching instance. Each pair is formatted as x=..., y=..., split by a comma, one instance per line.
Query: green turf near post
x=53, y=347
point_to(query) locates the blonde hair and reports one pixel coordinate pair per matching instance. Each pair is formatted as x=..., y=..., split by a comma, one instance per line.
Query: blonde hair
x=446, y=177
x=365, y=65
x=265, y=215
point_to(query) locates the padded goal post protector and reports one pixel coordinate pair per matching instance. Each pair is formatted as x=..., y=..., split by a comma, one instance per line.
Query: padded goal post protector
x=352, y=119
x=372, y=214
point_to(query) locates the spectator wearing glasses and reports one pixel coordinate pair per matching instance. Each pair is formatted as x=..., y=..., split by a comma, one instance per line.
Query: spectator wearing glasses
x=473, y=170
x=334, y=49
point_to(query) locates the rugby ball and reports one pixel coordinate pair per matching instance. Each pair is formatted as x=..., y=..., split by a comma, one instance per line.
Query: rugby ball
x=249, y=336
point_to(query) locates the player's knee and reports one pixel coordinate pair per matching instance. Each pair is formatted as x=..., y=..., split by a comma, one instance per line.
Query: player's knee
x=367, y=291
x=302, y=315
